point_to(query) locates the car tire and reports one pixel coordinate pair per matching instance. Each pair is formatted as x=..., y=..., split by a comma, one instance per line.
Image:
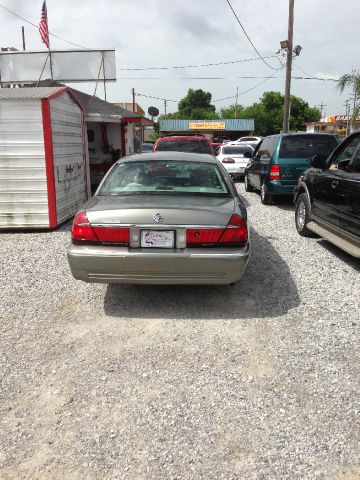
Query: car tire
x=302, y=215
x=248, y=186
x=265, y=196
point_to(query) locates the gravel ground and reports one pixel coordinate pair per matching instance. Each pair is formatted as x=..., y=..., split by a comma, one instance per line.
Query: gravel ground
x=255, y=381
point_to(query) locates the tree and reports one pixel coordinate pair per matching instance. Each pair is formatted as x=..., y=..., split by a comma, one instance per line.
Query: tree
x=232, y=112
x=268, y=113
x=195, y=106
x=351, y=80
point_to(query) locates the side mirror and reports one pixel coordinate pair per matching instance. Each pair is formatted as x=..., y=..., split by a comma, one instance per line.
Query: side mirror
x=247, y=154
x=318, y=161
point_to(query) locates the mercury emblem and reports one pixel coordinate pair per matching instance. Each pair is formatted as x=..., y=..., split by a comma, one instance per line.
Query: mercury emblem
x=158, y=217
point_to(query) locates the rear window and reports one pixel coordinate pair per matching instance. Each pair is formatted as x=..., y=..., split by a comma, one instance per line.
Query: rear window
x=165, y=177
x=236, y=150
x=248, y=139
x=191, y=146
x=304, y=146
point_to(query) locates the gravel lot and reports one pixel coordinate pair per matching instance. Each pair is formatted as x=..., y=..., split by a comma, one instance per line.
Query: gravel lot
x=255, y=381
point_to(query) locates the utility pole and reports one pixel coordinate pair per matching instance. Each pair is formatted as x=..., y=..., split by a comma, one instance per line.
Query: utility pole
x=286, y=118
x=165, y=102
x=133, y=99
x=353, y=118
x=322, y=106
x=23, y=36
x=236, y=102
x=347, y=113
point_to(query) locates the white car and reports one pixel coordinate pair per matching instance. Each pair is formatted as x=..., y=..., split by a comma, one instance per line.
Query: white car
x=234, y=158
x=253, y=141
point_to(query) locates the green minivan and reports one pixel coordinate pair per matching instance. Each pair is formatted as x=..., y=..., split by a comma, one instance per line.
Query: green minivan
x=279, y=160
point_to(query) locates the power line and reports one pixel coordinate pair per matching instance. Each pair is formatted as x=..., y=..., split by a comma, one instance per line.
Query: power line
x=247, y=36
x=37, y=27
x=311, y=77
x=194, y=66
x=225, y=78
x=157, y=98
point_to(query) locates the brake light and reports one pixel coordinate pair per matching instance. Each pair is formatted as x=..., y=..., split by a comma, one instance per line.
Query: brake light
x=274, y=172
x=83, y=233
x=203, y=235
x=228, y=160
x=112, y=234
x=234, y=234
x=81, y=230
x=235, y=231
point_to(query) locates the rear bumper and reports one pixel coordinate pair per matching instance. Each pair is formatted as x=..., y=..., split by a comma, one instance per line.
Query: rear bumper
x=99, y=264
x=276, y=187
x=235, y=169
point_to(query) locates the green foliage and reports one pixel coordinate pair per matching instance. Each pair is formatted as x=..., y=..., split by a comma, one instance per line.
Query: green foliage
x=351, y=80
x=229, y=112
x=268, y=113
x=195, y=106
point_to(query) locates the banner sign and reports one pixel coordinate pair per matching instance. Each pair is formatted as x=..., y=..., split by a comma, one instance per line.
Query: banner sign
x=206, y=125
x=65, y=66
x=345, y=118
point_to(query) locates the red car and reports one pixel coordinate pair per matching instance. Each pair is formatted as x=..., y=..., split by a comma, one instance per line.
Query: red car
x=183, y=143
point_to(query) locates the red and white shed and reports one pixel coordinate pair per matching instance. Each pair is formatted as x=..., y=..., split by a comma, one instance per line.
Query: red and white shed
x=44, y=171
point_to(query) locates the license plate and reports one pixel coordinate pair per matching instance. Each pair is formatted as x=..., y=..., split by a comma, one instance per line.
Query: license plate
x=242, y=169
x=157, y=239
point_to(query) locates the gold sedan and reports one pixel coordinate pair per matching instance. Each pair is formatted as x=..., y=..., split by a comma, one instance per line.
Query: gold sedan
x=162, y=218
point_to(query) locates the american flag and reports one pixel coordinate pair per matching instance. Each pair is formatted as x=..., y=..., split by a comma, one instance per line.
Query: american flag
x=43, y=26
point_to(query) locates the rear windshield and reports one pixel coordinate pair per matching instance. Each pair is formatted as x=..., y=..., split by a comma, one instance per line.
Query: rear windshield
x=236, y=150
x=192, y=146
x=165, y=177
x=304, y=146
x=248, y=139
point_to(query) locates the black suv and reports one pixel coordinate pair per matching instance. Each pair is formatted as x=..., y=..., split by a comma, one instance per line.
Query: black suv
x=327, y=197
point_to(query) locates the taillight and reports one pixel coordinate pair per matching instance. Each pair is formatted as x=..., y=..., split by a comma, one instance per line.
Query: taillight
x=228, y=160
x=234, y=234
x=274, y=173
x=198, y=236
x=81, y=230
x=112, y=235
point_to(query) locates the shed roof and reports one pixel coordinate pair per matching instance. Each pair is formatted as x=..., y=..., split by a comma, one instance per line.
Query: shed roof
x=31, y=92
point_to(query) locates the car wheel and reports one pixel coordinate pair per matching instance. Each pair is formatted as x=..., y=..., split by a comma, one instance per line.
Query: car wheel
x=265, y=196
x=302, y=215
x=248, y=187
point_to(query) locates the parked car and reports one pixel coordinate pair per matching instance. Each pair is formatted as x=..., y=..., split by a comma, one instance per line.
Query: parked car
x=146, y=147
x=183, y=143
x=249, y=140
x=233, y=158
x=327, y=197
x=162, y=218
x=215, y=146
x=279, y=160
x=221, y=139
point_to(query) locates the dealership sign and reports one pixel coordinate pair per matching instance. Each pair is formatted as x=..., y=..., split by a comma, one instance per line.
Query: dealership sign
x=345, y=118
x=206, y=125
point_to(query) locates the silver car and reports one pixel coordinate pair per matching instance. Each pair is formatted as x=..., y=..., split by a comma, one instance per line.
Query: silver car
x=162, y=218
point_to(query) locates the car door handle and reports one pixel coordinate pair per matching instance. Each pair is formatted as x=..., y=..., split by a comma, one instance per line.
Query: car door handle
x=334, y=184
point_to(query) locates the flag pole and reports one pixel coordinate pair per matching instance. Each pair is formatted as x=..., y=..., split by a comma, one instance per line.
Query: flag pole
x=51, y=65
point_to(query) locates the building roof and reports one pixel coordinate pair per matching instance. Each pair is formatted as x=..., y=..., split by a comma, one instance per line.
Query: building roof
x=231, y=125
x=93, y=106
x=32, y=92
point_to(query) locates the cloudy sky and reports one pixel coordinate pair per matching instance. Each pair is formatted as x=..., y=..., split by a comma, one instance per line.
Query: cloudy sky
x=157, y=33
